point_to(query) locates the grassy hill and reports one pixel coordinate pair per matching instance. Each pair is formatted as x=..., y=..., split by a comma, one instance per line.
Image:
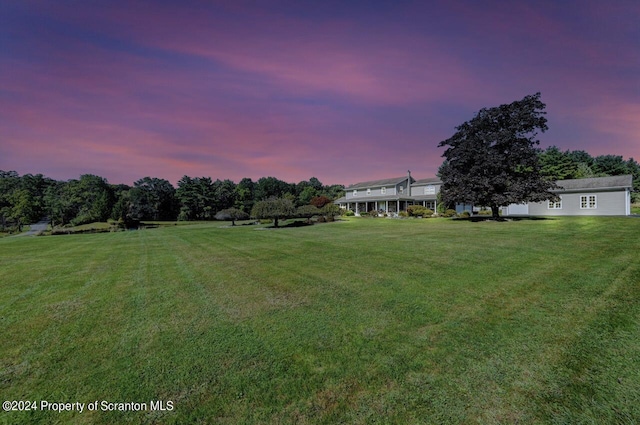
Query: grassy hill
x=363, y=321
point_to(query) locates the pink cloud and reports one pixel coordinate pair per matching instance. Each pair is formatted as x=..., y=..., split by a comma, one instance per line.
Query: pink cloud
x=231, y=91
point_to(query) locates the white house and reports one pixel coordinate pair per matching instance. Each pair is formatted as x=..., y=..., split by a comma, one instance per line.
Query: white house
x=390, y=196
x=590, y=196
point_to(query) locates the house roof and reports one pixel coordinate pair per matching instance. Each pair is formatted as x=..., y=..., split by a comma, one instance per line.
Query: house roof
x=379, y=183
x=612, y=182
x=430, y=180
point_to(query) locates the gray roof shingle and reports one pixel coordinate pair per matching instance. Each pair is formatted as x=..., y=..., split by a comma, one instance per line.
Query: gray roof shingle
x=379, y=183
x=611, y=182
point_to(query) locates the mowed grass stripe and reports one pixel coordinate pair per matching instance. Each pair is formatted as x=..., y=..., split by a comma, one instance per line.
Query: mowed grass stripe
x=362, y=321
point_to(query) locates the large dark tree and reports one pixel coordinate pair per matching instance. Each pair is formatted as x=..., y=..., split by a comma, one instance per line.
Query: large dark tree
x=492, y=160
x=244, y=194
x=152, y=199
x=197, y=198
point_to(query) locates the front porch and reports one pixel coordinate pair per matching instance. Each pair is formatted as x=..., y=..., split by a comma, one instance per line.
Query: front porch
x=391, y=207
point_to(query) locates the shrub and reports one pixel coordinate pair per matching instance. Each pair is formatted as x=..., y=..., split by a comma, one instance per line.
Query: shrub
x=403, y=214
x=349, y=213
x=484, y=212
x=449, y=213
x=419, y=211
x=464, y=214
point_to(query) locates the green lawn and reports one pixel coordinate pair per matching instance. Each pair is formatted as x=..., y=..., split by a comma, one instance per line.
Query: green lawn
x=363, y=321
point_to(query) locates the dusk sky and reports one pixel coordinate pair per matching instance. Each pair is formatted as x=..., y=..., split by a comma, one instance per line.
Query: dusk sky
x=345, y=91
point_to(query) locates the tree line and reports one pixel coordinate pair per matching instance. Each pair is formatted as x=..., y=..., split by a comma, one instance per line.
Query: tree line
x=558, y=165
x=26, y=199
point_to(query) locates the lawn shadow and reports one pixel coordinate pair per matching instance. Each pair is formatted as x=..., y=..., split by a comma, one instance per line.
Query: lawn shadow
x=480, y=218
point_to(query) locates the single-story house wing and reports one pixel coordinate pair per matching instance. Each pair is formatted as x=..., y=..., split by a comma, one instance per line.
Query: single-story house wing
x=591, y=196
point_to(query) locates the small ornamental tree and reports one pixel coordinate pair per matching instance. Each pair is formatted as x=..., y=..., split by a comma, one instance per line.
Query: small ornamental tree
x=320, y=201
x=274, y=208
x=232, y=214
x=492, y=160
x=307, y=211
x=330, y=210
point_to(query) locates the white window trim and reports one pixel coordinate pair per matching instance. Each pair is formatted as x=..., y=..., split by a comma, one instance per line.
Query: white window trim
x=368, y=191
x=383, y=190
x=555, y=205
x=587, y=202
x=430, y=190
x=355, y=192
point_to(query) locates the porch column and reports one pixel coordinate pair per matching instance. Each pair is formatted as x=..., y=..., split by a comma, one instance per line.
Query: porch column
x=398, y=206
x=356, y=208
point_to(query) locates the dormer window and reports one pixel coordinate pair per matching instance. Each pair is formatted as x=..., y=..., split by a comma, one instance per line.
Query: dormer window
x=401, y=189
x=383, y=190
x=355, y=192
x=368, y=191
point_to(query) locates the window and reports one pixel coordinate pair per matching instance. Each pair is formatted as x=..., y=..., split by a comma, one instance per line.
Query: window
x=355, y=192
x=401, y=189
x=588, y=202
x=368, y=191
x=383, y=190
x=430, y=190
x=555, y=205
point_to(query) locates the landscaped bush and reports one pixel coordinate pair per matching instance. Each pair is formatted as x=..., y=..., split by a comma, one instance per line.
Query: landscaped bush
x=464, y=214
x=349, y=213
x=403, y=214
x=449, y=213
x=484, y=212
x=419, y=211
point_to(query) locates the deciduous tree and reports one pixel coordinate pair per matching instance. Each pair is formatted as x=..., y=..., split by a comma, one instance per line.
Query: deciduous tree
x=274, y=208
x=492, y=160
x=232, y=214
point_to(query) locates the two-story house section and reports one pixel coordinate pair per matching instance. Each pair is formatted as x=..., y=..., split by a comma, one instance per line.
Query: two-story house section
x=389, y=196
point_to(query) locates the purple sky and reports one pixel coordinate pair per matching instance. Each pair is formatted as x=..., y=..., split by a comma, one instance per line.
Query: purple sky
x=344, y=91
